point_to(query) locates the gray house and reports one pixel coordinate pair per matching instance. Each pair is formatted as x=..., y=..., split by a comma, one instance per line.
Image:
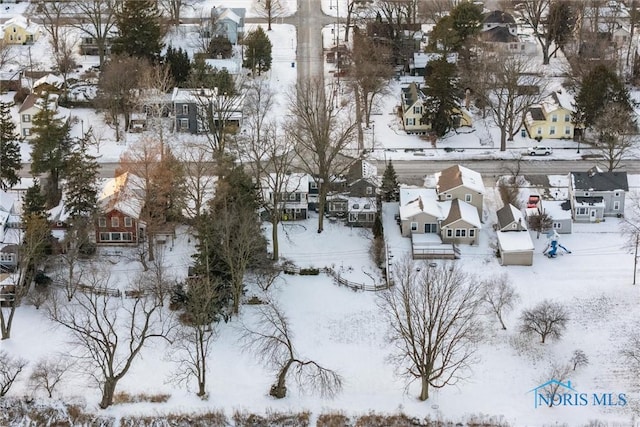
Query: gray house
x=514, y=241
x=595, y=194
x=196, y=110
x=228, y=23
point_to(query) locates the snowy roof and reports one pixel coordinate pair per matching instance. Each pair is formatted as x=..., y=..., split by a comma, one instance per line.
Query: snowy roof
x=292, y=183
x=124, y=193
x=192, y=95
x=498, y=17
x=555, y=209
x=421, y=59
x=515, y=242
x=234, y=15
x=429, y=206
x=361, y=204
x=50, y=79
x=412, y=192
x=456, y=176
x=231, y=65
x=462, y=211
x=21, y=21
x=59, y=213
x=509, y=214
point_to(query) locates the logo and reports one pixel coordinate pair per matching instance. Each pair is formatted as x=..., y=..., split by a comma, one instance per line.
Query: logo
x=556, y=393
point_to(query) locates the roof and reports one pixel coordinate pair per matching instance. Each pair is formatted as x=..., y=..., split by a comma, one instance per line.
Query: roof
x=558, y=209
x=51, y=80
x=291, y=183
x=498, y=17
x=536, y=114
x=457, y=176
x=363, y=169
x=514, y=242
x=600, y=181
x=409, y=193
x=192, y=95
x=509, y=214
x=462, y=211
x=499, y=35
x=590, y=201
x=124, y=193
x=231, y=65
x=421, y=59
x=21, y=21
x=364, y=204
x=422, y=204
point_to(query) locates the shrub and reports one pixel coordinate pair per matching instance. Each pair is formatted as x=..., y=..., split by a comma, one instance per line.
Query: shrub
x=309, y=271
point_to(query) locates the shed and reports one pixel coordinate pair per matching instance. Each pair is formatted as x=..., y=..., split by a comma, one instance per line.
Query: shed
x=516, y=247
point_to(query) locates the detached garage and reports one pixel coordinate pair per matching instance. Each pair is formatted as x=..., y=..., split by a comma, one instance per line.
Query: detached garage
x=516, y=247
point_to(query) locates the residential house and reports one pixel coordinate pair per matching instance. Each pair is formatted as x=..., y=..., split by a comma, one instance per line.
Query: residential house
x=413, y=109
x=21, y=30
x=459, y=182
x=121, y=201
x=514, y=241
x=461, y=224
x=552, y=118
x=50, y=83
x=197, y=110
x=499, y=19
x=32, y=105
x=595, y=195
x=420, y=212
x=361, y=211
x=88, y=44
x=560, y=213
x=292, y=201
x=419, y=65
x=228, y=23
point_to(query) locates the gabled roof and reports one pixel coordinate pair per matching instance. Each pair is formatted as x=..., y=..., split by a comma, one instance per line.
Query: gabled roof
x=23, y=22
x=460, y=210
x=291, y=183
x=498, y=17
x=499, y=35
x=600, y=181
x=124, y=193
x=457, y=176
x=362, y=169
x=535, y=114
x=421, y=205
x=508, y=215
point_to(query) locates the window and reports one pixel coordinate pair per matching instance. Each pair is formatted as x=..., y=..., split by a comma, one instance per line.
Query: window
x=552, y=130
x=616, y=194
x=367, y=206
x=616, y=205
x=356, y=206
x=414, y=226
x=513, y=46
x=184, y=124
x=417, y=110
x=448, y=196
x=449, y=232
x=116, y=236
x=185, y=109
x=296, y=210
x=313, y=185
x=557, y=225
x=128, y=222
x=102, y=222
x=26, y=118
x=410, y=121
x=581, y=211
x=115, y=221
x=567, y=118
x=586, y=194
x=292, y=197
x=461, y=232
x=467, y=198
x=127, y=237
x=567, y=130
x=539, y=131
x=554, y=118
x=369, y=190
x=105, y=237
x=472, y=232
x=26, y=132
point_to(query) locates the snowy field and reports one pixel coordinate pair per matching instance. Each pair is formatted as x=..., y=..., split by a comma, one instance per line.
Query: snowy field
x=343, y=330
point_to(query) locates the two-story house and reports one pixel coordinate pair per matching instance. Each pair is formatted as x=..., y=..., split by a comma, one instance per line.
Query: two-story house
x=499, y=32
x=228, y=23
x=89, y=45
x=595, y=195
x=514, y=241
x=33, y=104
x=459, y=182
x=291, y=201
x=413, y=109
x=121, y=201
x=552, y=118
x=199, y=110
x=21, y=30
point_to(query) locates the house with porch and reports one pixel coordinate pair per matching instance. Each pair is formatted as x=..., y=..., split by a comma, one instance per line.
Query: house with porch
x=292, y=201
x=595, y=194
x=461, y=224
x=33, y=104
x=21, y=30
x=459, y=182
x=552, y=118
x=121, y=201
x=514, y=241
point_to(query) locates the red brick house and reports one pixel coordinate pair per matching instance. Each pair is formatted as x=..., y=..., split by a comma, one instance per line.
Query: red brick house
x=121, y=202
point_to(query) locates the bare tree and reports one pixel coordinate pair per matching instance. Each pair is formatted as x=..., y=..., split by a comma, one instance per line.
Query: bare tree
x=548, y=319
x=432, y=314
x=616, y=129
x=53, y=14
x=97, y=21
x=64, y=57
x=271, y=10
x=271, y=339
x=499, y=296
x=193, y=339
x=550, y=22
x=199, y=179
x=631, y=231
x=560, y=373
x=109, y=332
x=579, y=359
x=631, y=350
x=511, y=94
x=540, y=222
x=10, y=368
x=174, y=9
x=322, y=130
x=49, y=373
x=433, y=10
x=155, y=82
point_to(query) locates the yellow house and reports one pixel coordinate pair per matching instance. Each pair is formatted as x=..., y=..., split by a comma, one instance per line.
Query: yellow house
x=551, y=119
x=20, y=30
x=413, y=99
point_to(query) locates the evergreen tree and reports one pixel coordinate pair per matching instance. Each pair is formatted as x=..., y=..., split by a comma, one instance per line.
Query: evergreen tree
x=9, y=149
x=82, y=183
x=600, y=87
x=257, y=51
x=220, y=47
x=49, y=149
x=466, y=21
x=179, y=64
x=139, y=30
x=389, y=186
x=377, y=229
x=33, y=201
x=442, y=92
x=203, y=75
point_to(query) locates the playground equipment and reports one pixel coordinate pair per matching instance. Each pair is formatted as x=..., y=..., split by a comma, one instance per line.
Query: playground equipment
x=553, y=246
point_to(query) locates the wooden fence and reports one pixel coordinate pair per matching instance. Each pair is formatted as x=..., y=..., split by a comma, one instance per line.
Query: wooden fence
x=290, y=269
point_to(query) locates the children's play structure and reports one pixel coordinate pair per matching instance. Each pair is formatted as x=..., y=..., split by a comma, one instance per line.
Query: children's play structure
x=553, y=246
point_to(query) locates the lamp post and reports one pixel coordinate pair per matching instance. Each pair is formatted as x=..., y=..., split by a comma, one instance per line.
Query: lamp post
x=373, y=138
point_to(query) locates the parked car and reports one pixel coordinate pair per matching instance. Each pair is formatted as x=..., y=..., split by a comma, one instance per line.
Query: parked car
x=533, y=201
x=539, y=150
